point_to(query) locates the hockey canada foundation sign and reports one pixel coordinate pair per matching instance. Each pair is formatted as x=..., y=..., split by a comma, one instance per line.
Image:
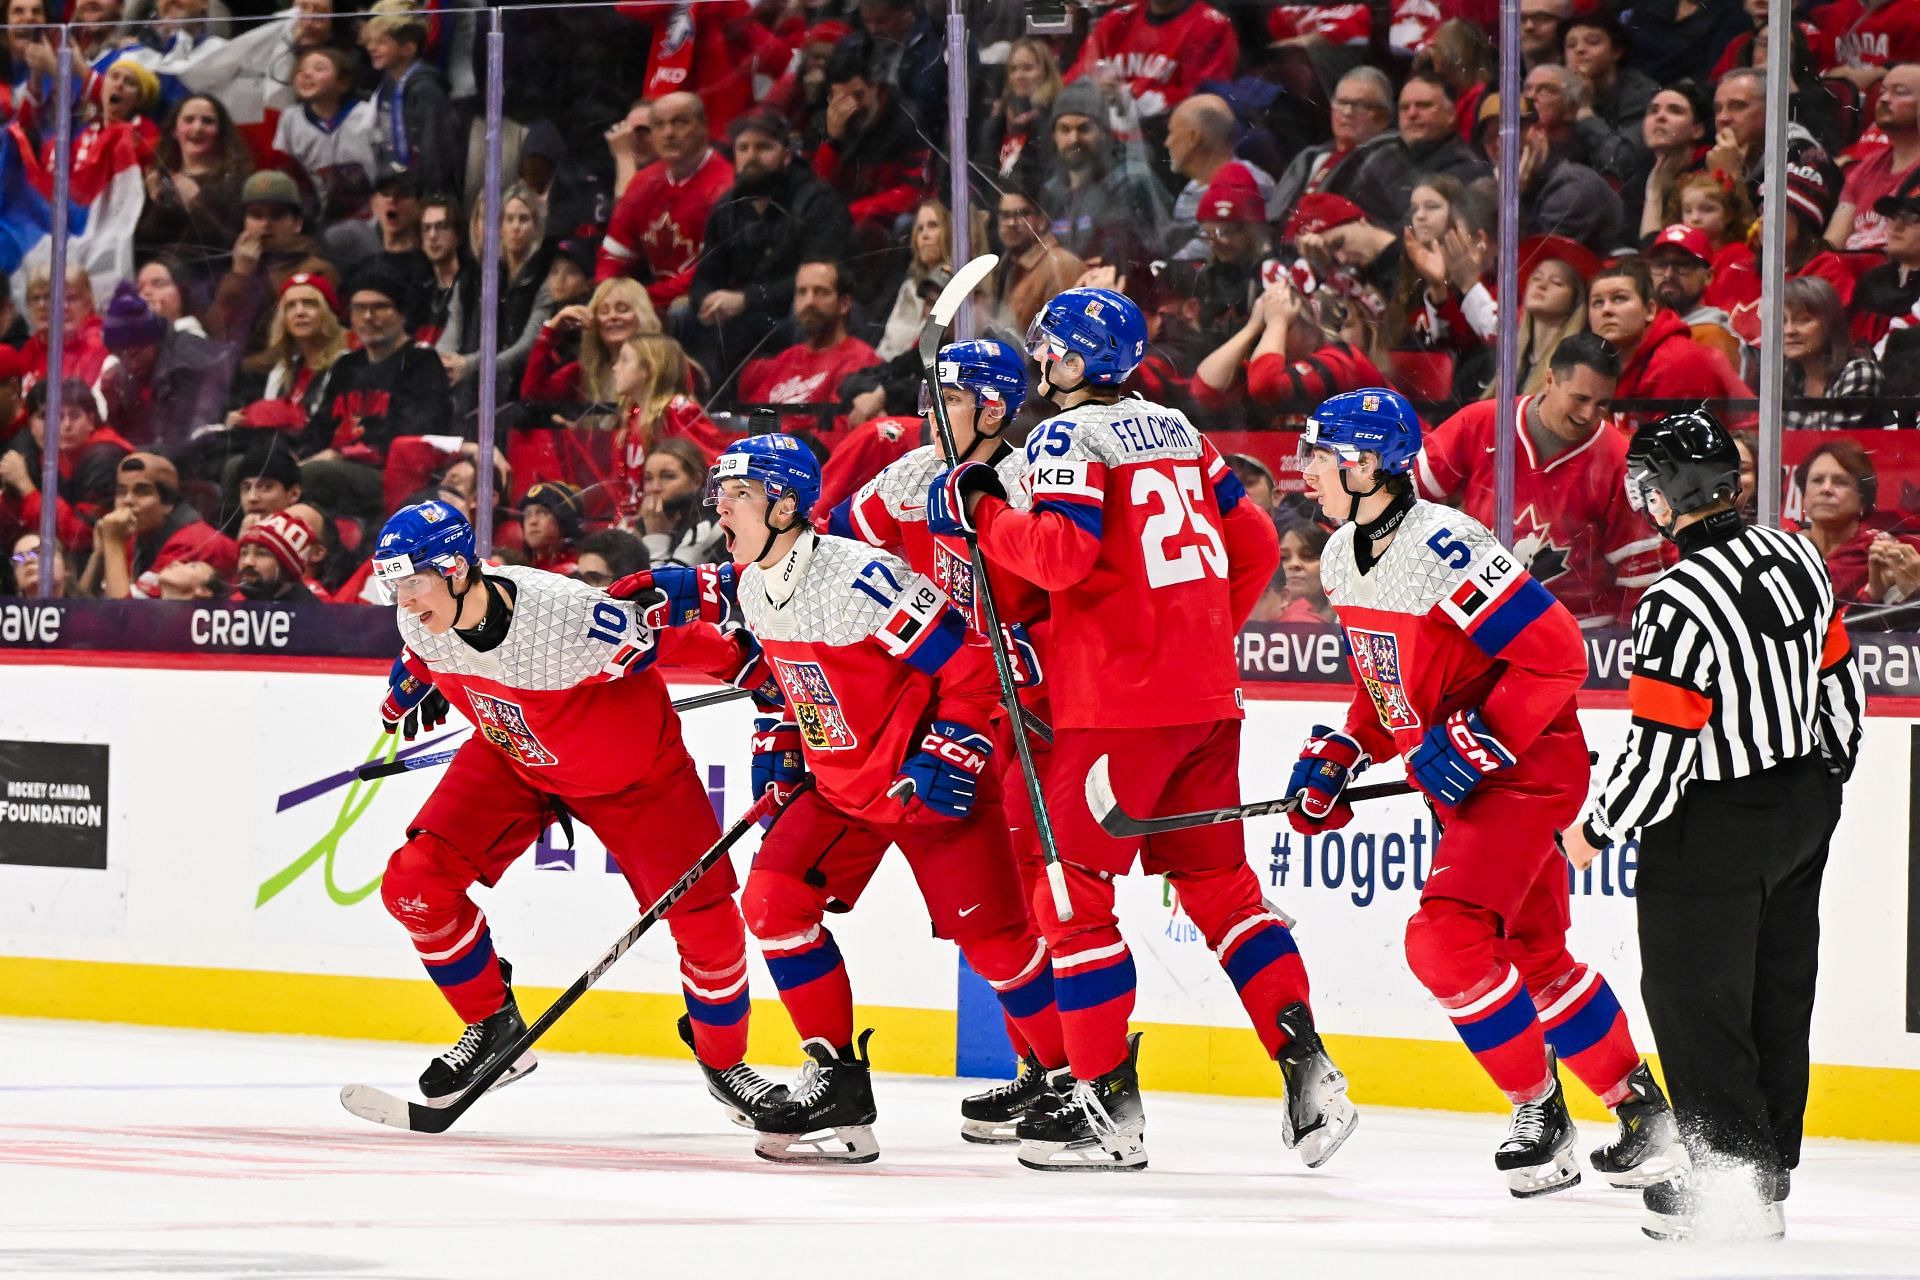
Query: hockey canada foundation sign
x=53, y=805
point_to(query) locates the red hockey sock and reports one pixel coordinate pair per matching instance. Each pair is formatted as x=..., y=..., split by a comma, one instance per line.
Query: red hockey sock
x=1027, y=999
x=1093, y=975
x=425, y=889
x=1015, y=1036
x=813, y=984
x=1251, y=943
x=1452, y=950
x=713, y=977
x=1583, y=1021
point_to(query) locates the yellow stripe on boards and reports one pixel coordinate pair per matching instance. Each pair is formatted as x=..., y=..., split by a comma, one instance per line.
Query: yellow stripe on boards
x=1880, y=1103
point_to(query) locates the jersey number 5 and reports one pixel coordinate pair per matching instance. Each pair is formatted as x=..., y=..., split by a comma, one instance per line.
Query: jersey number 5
x=1178, y=499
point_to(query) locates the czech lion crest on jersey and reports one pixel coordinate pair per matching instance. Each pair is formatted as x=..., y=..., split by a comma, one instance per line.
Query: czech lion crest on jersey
x=504, y=725
x=953, y=574
x=814, y=706
x=1376, y=656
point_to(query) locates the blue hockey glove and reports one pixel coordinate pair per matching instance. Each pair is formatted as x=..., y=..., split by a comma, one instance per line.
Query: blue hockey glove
x=947, y=496
x=778, y=764
x=755, y=674
x=940, y=779
x=676, y=596
x=1456, y=756
x=1022, y=656
x=411, y=704
x=1330, y=760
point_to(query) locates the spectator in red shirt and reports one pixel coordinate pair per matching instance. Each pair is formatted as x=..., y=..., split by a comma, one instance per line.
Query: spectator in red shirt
x=661, y=221
x=1867, y=37
x=1856, y=224
x=1294, y=361
x=1840, y=516
x=1811, y=191
x=1659, y=358
x=90, y=451
x=650, y=374
x=1161, y=50
x=810, y=371
x=83, y=353
x=150, y=527
x=873, y=155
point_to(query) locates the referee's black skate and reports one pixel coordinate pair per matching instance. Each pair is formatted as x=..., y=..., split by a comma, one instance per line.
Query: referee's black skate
x=1729, y=1204
x=990, y=1117
x=1647, y=1149
x=1097, y=1124
x=1319, y=1116
x=744, y=1092
x=828, y=1117
x=448, y=1075
x=1537, y=1156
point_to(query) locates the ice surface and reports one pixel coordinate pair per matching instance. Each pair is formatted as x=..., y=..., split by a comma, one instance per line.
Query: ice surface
x=130, y=1152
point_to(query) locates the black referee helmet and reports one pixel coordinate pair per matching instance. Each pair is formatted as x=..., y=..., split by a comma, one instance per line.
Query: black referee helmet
x=1688, y=458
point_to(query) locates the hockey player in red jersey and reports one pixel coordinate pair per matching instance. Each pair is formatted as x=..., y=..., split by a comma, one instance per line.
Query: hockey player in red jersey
x=888, y=705
x=1152, y=558
x=1574, y=530
x=1469, y=668
x=983, y=383
x=571, y=718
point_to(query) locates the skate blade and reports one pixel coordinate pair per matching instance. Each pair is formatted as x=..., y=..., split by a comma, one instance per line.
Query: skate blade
x=848, y=1144
x=990, y=1133
x=524, y=1067
x=1122, y=1153
x=1663, y=1167
x=1559, y=1174
x=1337, y=1124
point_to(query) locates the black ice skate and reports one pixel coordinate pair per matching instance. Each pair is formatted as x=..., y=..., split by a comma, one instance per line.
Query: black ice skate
x=990, y=1117
x=744, y=1092
x=1648, y=1148
x=448, y=1075
x=1537, y=1156
x=1098, y=1124
x=828, y=1117
x=1722, y=1206
x=1319, y=1116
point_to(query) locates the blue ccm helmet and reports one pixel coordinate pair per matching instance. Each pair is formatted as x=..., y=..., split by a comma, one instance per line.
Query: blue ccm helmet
x=782, y=463
x=429, y=536
x=1371, y=420
x=991, y=369
x=1105, y=329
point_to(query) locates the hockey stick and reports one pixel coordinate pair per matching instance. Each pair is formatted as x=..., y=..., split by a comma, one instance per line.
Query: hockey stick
x=1118, y=822
x=958, y=289
x=388, y=768
x=382, y=1107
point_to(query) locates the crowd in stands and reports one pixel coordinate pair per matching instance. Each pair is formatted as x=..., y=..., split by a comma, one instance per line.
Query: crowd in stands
x=728, y=215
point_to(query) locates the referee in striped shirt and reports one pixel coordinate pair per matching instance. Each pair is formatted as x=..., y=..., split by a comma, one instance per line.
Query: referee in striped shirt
x=1746, y=708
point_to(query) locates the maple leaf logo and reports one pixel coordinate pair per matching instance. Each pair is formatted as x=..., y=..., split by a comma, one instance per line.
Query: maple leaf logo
x=1533, y=543
x=667, y=246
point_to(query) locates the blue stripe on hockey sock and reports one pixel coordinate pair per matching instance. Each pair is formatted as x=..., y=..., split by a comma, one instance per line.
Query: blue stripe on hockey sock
x=1084, y=989
x=722, y=1013
x=1031, y=996
x=1494, y=1029
x=466, y=968
x=1589, y=1025
x=792, y=971
x=1256, y=951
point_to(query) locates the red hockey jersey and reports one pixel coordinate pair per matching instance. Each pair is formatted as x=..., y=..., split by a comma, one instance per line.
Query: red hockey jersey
x=1870, y=35
x=1162, y=60
x=571, y=695
x=1447, y=620
x=801, y=375
x=1151, y=555
x=868, y=653
x=1572, y=527
x=664, y=223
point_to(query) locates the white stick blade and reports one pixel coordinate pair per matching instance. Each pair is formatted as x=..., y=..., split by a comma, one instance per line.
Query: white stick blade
x=961, y=287
x=1100, y=797
x=376, y=1105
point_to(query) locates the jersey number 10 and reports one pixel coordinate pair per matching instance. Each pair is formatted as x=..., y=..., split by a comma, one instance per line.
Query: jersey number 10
x=1178, y=500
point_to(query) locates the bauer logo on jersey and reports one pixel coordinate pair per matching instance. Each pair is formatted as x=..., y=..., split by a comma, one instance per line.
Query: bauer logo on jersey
x=1376, y=656
x=814, y=706
x=505, y=726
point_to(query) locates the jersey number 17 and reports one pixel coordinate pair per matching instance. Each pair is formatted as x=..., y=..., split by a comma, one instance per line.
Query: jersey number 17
x=1178, y=543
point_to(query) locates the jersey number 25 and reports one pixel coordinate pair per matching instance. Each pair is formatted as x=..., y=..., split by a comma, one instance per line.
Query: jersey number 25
x=1178, y=542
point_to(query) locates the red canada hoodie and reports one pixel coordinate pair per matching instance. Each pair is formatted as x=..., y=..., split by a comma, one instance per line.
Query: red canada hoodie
x=1669, y=365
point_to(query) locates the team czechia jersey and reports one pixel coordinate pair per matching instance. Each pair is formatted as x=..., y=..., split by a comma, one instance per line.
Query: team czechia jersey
x=1448, y=620
x=570, y=694
x=1141, y=534
x=867, y=652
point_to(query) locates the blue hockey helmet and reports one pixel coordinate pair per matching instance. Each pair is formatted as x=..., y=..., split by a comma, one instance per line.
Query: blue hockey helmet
x=426, y=537
x=1372, y=420
x=1104, y=328
x=782, y=463
x=991, y=369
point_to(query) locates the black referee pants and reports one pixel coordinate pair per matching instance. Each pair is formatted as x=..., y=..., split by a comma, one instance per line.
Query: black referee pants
x=1728, y=894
